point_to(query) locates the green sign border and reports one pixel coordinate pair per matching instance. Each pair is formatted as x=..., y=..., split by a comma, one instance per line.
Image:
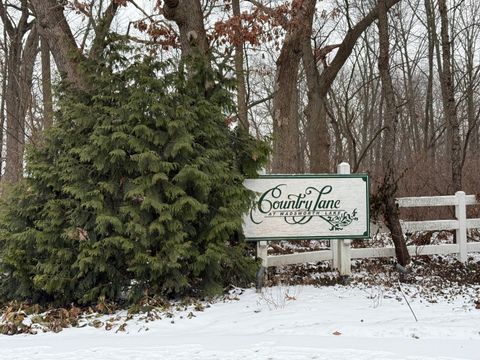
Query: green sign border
x=365, y=177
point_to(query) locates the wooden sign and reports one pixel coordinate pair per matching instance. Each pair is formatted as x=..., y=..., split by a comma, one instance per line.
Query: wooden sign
x=303, y=207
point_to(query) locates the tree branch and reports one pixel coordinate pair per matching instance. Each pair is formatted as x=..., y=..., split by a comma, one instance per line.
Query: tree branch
x=330, y=73
x=102, y=29
x=6, y=21
x=54, y=27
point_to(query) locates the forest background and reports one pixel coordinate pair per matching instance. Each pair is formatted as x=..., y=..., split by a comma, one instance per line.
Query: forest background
x=307, y=73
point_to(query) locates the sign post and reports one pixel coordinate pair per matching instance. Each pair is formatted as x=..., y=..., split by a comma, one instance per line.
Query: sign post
x=341, y=248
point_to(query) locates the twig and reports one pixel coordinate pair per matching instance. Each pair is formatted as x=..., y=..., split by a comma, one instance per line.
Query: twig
x=400, y=288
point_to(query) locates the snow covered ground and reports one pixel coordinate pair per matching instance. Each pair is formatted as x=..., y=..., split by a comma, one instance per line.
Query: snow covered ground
x=293, y=323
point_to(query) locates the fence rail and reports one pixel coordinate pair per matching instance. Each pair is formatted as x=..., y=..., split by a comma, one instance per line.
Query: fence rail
x=341, y=252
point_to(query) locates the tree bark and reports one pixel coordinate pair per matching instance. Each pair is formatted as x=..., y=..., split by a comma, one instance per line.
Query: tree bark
x=46, y=85
x=428, y=127
x=20, y=62
x=316, y=115
x=346, y=47
x=240, y=75
x=18, y=98
x=2, y=100
x=54, y=28
x=102, y=29
x=319, y=85
x=388, y=188
x=448, y=100
x=286, y=137
x=188, y=16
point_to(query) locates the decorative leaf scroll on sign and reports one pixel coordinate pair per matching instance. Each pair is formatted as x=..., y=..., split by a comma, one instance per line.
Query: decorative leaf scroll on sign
x=308, y=207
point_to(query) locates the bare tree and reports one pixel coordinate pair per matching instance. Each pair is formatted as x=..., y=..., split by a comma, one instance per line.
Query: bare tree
x=286, y=144
x=4, y=67
x=20, y=63
x=240, y=73
x=428, y=126
x=316, y=114
x=388, y=189
x=448, y=98
x=286, y=154
x=467, y=74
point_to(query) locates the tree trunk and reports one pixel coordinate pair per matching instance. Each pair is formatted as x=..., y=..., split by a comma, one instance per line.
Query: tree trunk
x=316, y=115
x=240, y=75
x=20, y=61
x=346, y=47
x=469, y=80
x=286, y=137
x=188, y=16
x=448, y=99
x=102, y=29
x=18, y=99
x=2, y=100
x=319, y=86
x=470, y=98
x=286, y=154
x=388, y=188
x=428, y=127
x=46, y=85
x=53, y=27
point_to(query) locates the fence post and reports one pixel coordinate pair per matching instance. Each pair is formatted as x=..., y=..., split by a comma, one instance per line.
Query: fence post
x=342, y=257
x=461, y=215
x=262, y=253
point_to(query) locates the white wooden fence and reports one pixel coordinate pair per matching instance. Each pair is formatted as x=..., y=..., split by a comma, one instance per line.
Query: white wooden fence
x=341, y=252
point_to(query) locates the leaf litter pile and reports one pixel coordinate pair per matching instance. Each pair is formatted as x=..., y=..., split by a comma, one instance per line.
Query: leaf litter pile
x=24, y=318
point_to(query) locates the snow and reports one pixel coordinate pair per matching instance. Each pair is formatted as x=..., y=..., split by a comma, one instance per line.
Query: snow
x=293, y=323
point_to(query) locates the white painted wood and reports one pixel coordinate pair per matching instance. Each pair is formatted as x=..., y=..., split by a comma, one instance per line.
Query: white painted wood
x=345, y=268
x=471, y=200
x=461, y=215
x=411, y=226
x=306, y=257
x=473, y=247
x=365, y=253
x=427, y=201
x=412, y=250
x=262, y=252
x=343, y=168
x=473, y=223
x=433, y=249
x=335, y=254
x=341, y=255
x=435, y=201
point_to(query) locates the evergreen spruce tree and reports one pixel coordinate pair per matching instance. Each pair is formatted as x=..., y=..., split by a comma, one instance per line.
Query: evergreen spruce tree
x=136, y=190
